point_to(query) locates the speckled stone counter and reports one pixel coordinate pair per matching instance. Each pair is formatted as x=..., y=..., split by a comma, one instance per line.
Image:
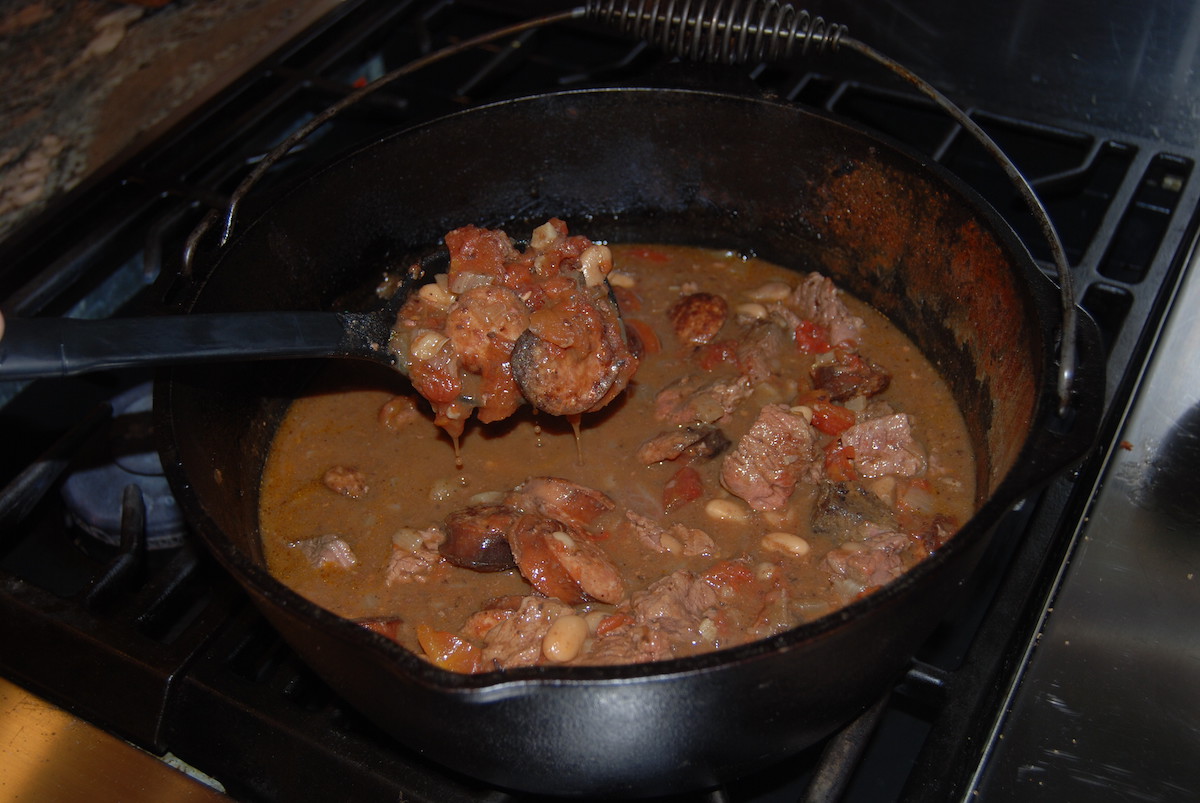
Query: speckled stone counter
x=87, y=79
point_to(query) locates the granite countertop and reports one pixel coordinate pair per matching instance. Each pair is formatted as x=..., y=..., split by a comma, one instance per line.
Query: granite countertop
x=86, y=80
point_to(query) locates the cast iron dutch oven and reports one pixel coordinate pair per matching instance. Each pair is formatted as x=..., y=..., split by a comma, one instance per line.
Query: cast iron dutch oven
x=658, y=165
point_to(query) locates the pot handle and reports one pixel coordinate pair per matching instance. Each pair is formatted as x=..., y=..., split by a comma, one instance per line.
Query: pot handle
x=1063, y=440
x=764, y=30
x=228, y=216
x=1068, y=346
x=737, y=32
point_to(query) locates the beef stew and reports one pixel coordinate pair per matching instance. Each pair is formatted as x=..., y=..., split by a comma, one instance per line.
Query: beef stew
x=782, y=451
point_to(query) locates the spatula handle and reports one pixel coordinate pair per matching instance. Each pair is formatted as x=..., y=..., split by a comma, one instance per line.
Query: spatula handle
x=44, y=347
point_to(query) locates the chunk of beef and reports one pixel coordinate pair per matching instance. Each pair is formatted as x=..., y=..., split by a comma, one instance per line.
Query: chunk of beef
x=691, y=400
x=675, y=605
x=346, y=481
x=698, y=440
x=697, y=318
x=327, y=550
x=845, y=511
x=850, y=375
x=497, y=610
x=629, y=644
x=517, y=640
x=874, y=561
x=777, y=452
x=817, y=299
x=775, y=615
x=414, y=556
x=758, y=351
x=668, y=615
x=885, y=445
x=677, y=539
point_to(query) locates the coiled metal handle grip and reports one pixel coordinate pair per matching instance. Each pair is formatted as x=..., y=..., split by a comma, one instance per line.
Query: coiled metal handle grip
x=753, y=31
x=719, y=30
x=725, y=31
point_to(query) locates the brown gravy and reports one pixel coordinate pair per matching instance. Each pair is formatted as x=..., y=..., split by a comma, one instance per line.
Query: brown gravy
x=360, y=481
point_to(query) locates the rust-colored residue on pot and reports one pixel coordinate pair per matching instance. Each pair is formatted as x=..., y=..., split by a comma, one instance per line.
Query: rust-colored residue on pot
x=923, y=258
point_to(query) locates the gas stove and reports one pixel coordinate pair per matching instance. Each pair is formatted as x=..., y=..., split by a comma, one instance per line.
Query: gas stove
x=123, y=621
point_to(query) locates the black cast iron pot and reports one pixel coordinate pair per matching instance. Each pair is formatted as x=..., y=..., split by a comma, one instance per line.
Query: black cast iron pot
x=659, y=165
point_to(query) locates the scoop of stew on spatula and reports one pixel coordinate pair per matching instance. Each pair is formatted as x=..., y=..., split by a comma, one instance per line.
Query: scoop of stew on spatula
x=504, y=326
x=496, y=328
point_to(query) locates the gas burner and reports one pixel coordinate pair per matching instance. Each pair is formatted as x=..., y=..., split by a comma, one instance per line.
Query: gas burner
x=125, y=455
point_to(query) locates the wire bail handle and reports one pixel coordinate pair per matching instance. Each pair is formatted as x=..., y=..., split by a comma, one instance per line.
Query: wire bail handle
x=721, y=31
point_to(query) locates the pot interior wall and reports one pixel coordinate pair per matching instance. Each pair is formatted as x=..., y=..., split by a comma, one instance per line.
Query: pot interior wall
x=644, y=165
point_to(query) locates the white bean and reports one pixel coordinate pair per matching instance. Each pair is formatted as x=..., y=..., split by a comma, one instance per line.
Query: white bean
x=752, y=310
x=778, y=518
x=565, y=638
x=771, y=291
x=726, y=510
x=619, y=278
x=786, y=542
x=670, y=543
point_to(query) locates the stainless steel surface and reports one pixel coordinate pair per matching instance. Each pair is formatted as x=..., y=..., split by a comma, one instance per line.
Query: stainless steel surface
x=1108, y=707
x=1122, y=64
x=48, y=755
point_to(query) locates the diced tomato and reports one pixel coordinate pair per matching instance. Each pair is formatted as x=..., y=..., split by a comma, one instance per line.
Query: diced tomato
x=811, y=338
x=839, y=462
x=832, y=419
x=448, y=651
x=644, y=334
x=613, y=621
x=685, y=486
x=729, y=573
x=435, y=381
x=710, y=355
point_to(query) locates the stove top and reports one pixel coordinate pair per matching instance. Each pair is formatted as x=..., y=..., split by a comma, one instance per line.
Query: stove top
x=165, y=652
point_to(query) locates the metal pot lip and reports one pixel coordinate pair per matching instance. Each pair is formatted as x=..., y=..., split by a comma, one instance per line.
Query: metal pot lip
x=482, y=686
x=625, y=94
